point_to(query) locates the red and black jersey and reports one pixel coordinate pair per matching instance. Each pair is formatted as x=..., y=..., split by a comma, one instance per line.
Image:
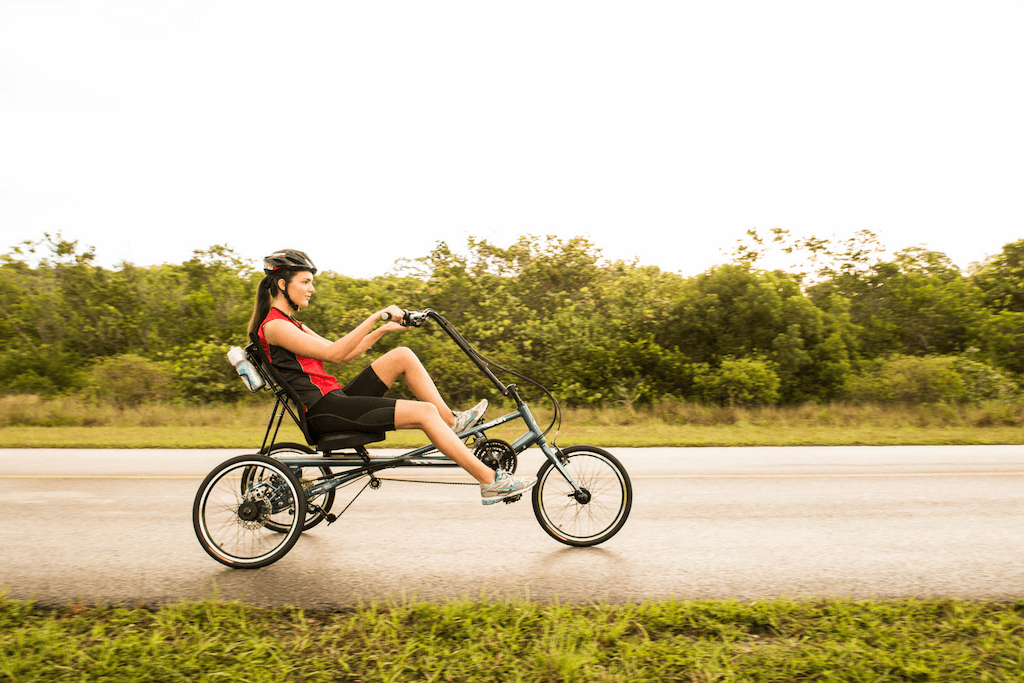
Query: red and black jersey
x=305, y=375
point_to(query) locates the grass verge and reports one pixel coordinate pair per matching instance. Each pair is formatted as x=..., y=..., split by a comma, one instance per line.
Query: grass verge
x=781, y=640
x=29, y=422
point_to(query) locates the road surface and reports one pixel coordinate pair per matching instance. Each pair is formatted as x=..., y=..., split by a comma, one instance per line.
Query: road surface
x=114, y=527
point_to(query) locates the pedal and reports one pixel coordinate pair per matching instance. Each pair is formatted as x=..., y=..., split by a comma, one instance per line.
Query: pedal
x=331, y=518
x=511, y=499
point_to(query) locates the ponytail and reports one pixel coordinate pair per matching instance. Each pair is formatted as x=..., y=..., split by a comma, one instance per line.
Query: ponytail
x=265, y=294
x=262, y=307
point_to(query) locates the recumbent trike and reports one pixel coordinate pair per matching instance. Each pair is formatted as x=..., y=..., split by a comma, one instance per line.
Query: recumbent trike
x=251, y=509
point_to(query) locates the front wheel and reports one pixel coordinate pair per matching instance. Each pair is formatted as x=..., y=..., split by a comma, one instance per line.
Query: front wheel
x=249, y=511
x=595, y=511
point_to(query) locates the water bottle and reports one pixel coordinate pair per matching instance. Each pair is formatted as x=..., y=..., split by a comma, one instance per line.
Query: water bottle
x=245, y=369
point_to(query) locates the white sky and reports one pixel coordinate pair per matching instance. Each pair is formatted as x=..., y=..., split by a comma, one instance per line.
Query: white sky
x=366, y=132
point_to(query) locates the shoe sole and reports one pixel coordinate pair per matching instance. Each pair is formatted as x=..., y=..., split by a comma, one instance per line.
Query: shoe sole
x=472, y=424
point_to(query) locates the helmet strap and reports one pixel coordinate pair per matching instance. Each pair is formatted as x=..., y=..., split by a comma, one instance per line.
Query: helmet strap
x=287, y=298
x=290, y=302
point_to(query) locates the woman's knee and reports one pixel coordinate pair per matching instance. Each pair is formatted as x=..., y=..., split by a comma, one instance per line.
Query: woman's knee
x=417, y=414
x=392, y=364
x=405, y=355
x=399, y=358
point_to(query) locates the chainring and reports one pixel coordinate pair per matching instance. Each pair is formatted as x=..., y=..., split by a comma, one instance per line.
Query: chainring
x=496, y=453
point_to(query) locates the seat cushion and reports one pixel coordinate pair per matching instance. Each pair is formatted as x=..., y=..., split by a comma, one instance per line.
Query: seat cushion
x=340, y=440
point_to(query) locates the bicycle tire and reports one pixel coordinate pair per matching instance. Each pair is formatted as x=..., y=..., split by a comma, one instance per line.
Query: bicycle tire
x=603, y=509
x=230, y=522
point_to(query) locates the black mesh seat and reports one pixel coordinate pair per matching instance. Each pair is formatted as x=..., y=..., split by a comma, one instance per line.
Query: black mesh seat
x=325, y=443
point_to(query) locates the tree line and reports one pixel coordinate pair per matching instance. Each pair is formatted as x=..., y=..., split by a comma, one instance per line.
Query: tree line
x=843, y=323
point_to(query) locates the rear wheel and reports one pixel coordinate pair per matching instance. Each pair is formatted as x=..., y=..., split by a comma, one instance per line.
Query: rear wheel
x=249, y=512
x=591, y=514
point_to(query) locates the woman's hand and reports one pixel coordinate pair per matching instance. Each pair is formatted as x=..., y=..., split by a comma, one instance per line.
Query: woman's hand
x=395, y=312
x=395, y=323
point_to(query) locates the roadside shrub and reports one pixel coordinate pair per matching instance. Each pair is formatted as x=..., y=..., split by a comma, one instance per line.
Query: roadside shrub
x=1001, y=337
x=908, y=379
x=45, y=371
x=982, y=382
x=631, y=373
x=202, y=373
x=130, y=380
x=737, y=381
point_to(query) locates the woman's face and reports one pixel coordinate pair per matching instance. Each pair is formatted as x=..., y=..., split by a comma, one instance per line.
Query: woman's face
x=301, y=288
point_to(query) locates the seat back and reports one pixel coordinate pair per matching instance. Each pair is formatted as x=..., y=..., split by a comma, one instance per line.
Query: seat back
x=322, y=442
x=255, y=352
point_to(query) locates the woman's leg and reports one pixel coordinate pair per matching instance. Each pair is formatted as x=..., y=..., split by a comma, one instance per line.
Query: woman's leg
x=404, y=362
x=424, y=416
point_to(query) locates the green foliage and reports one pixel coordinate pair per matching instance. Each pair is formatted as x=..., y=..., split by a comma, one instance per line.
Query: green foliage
x=1001, y=339
x=907, y=379
x=982, y=382
x=930, y=379
x=916, y=304
x=129, y=380
x=735, y=312
x=43, y=369
x=593, y=331
x=203, y=374
x=1001, y=279
x=737, y=382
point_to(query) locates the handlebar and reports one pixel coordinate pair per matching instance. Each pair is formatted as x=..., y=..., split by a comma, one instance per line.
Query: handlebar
x=417, y=318
x=410, y=318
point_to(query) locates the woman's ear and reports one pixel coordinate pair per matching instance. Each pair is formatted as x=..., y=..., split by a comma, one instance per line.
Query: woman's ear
x=281, y=285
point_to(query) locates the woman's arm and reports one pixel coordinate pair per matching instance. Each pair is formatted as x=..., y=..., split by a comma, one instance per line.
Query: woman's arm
x=305, y=342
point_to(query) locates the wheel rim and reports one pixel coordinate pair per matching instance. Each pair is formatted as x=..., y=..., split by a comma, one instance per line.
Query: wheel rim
x=561, y=506
x=236, y=514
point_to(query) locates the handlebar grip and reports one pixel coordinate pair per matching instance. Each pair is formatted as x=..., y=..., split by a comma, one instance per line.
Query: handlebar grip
x=385, y=316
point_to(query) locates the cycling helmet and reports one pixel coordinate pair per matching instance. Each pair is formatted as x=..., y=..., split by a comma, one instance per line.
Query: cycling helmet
x=285, y=261
x=288, y=259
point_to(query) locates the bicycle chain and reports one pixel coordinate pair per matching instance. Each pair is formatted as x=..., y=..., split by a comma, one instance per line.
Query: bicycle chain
x=426, y=481
x=510, y=499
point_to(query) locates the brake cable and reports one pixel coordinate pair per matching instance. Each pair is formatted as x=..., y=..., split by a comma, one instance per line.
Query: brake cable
x=417, y=318
x=557, y=418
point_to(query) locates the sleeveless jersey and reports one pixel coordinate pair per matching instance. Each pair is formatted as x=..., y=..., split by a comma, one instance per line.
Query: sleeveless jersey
x=305, y=375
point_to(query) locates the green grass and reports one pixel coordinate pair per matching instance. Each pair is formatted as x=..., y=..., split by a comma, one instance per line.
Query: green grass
x=30, y=422
x=781, y=640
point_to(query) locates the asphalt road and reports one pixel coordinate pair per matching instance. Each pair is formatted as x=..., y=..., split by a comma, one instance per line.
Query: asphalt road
x=107, y=526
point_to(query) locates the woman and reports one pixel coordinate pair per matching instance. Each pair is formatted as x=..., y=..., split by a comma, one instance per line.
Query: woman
x=298, y=355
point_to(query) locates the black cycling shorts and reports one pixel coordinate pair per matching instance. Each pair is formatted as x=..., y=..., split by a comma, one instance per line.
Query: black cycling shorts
x=358, y=407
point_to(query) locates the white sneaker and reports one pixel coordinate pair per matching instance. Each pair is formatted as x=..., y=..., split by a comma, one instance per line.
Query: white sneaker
x=505, y=485
x=468, y=418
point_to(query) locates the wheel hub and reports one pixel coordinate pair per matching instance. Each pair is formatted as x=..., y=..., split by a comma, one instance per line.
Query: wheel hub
x=249, y=511
x=582, y=496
